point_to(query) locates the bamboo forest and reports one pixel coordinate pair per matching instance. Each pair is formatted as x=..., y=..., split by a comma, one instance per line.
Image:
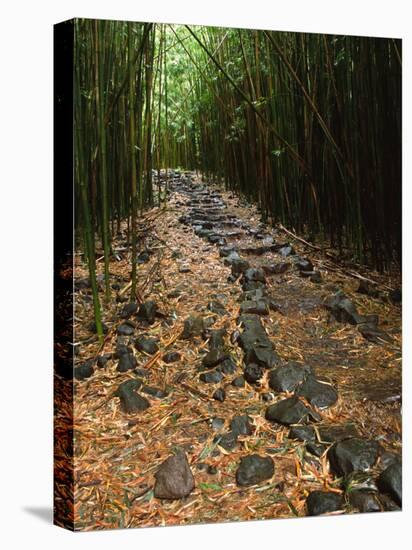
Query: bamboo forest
x=237, y=314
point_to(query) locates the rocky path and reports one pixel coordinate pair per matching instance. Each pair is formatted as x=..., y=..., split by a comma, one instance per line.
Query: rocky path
x=250, y=381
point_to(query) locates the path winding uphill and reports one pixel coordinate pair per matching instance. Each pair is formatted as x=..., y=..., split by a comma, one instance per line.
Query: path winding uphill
x=251, y=381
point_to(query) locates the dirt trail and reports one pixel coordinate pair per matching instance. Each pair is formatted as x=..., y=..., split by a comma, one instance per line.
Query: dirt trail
x=186, y=275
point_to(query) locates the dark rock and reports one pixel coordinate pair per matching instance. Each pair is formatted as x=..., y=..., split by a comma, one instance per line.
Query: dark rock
x=266, y=397
x=254, y=275
x=395, y=296
x=228, y=366
x=225, y=251
x=227, y=441
x=239, y=267
x=126, y=329
x=193, y=327
x=154, y=392
x=217, y=424
x=92, y=328
x=353, y=455
x=128, y=310
x=84, y=371
x=184, y=269
x=171, y=357
x=364, y=501
x=211, y=377
x=254, y=295
x=264, y=356
x=373, y=333
x=219, y=395
x=388, y=504
x=387, y=458
x=289, y=411
x=130, y=401
x=122, y=349
x=304, y=265
x=318, y=394
x=213, y=358
x=253, y=373
x=174, y=479
x=216, y=307
x=144, y=373
x=390, y=482
x=174, y=293
x=126, y=362
x=286, y=251
x=147, y=312
x=275, y=269
x=202, y=466
x=238, y=382
x=339, y=432
x=367, y=288
x=259, y=308
x=242, y=425
x=254, y=469
x=323, y=502
x=288, y=377
x=316, y=449
x=233, y=257
x=212, y=470
x=146, y=345
x=103, y=359
x=302, y=433
x=343, y=309
x=143, y=257
x=316, y=277
x=251, y=285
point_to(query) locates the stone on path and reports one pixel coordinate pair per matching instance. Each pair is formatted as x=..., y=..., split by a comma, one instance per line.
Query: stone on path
x=364, y=501
x=147, y=312
x=242, y=425
x=174, y=478
x=318, y=394
x=353, y=455
x=130, y=401
x=126, y=329
x=84, y=371
x=323, y=502
x=288, y=377
x=290, y=411
x=254, y=469
x=390, y=482
x=126, y=362
x=171, y=357
x=146, y=345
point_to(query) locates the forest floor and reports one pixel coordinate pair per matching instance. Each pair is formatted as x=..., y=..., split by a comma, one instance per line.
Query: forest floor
x=116, y=455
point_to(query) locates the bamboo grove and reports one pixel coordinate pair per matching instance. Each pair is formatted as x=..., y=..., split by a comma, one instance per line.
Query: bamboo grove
x=306, y=125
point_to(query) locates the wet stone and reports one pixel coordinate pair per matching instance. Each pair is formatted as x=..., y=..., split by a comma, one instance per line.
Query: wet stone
x=146, y=345
x=242, y=425
x=390, y=482
x=130, y=401
x=289, y=411
x=102, y=360
x=319, y=394
x=128, y=310
x=253, y=373
x=84, y=371
x=126, y=329
x=288, y=377
x=211, y=377
x=126, y=362
x=238, y=382
x=147, y=312
x=171, y=357
x=174, y=479
x=219, y=395
x=364, y=501
x=254, y=469
x=323, y=502
x=353, y=455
